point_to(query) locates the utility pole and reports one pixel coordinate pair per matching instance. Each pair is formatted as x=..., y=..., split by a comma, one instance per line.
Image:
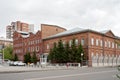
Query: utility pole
x=3, y=54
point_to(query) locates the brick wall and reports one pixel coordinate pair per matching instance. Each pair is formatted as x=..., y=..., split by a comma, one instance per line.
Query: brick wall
x=89, y=49
x=48, y=30
x=30, y=44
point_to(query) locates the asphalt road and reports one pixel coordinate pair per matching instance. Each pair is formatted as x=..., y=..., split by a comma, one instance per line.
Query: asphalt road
x=77, y=74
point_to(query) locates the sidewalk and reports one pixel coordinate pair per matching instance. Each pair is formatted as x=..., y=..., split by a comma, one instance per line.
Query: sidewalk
x=15, y=69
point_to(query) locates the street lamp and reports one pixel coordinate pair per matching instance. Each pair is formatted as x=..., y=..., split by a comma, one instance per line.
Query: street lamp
x=3, y=53
x=81, y=58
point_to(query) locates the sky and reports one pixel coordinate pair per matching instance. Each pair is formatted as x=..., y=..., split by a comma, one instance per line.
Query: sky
x=89, y=14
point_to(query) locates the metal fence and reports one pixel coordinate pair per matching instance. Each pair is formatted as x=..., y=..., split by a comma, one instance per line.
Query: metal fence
x=105, y=61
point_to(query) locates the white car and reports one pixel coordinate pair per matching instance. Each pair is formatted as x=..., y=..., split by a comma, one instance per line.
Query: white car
x=16, y=63
x=20, y=63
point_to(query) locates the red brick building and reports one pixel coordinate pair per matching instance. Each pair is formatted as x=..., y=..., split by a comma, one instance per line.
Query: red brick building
x=101, y=48
x=24, y=42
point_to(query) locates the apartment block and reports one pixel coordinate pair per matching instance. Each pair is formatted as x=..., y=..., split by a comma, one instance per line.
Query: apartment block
x=18, y=26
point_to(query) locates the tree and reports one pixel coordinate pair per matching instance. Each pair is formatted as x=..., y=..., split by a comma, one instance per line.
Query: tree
x=15, y=57
x=73, y=52
x=67, y=51
x=50, y=57
x=8, y=52
x=34, y=58
x=61, y=52
x=27, y=58
x=53, y=54
x=79, y=53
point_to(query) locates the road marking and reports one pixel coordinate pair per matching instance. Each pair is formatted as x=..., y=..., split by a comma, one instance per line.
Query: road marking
x=52, y=77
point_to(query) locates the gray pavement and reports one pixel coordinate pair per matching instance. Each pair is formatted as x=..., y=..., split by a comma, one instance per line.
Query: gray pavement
x=104, y=73
x=11, y=69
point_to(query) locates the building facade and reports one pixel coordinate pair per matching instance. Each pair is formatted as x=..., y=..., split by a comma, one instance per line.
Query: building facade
x=24, y=42
x=18, y=26
x=5, y=42
x=101, y=48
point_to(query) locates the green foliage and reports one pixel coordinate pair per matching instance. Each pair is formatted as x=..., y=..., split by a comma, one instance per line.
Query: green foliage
x=15, y=57
x=61, y=54
x=8, y=52
x=53, y=54
x=50, y=56
x=34, y=58
x=27, y=58
x=73, y=51
x=79, y=53
x=67, y=51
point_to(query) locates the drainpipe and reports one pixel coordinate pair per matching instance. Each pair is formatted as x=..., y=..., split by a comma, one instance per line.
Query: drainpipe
x=103, y=48
x=88, y=54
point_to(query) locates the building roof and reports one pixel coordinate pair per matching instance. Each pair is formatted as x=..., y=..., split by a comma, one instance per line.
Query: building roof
x=25, y=34
x=72, y=31
x=22, y=32
x=78, y=30
x=104, y=31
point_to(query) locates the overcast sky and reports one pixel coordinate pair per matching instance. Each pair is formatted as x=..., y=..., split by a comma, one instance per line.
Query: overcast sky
x=92, y=14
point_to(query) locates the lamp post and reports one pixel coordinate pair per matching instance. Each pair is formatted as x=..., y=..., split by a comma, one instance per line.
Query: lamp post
x=81, y=58
x=3, y=54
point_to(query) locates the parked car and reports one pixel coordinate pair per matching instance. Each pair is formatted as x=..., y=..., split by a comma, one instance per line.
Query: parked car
x=20, y=63
x=17, y=63
x=11, y=63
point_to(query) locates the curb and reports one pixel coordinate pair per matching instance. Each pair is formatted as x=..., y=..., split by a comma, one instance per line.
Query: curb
x=34, y=70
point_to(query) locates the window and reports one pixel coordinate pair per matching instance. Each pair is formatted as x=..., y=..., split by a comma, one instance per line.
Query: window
x=112, y=44
x=56, y=29
x=70, y=43
x=82, y=42
x=33, y=42
x=33, y=48
x=97, y=42
x=105, y=44
x=76, y=41
x=37, y=48
x=64, y=43
x=40, y=41
x=29, y=43
x=92, y=54
x=48, y=46
x=101, y=44
x=116, y=46
x=36, y=41
x=109, y=44
x=29, y=49
x=92, y=41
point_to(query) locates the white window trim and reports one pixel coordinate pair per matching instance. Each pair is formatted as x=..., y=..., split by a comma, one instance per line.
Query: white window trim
x=92, y=41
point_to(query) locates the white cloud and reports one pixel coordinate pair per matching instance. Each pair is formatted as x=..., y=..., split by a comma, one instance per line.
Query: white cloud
x=95, y=14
